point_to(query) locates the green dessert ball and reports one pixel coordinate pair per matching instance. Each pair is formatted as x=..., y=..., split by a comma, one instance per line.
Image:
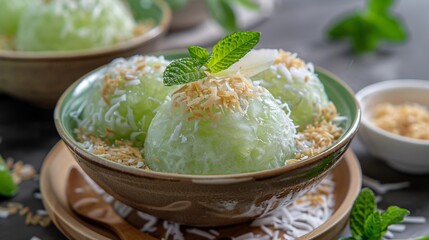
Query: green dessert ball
x=11, y=11
x=295, y=84
x=219, y=126
x=63, y=25
x=124, y=100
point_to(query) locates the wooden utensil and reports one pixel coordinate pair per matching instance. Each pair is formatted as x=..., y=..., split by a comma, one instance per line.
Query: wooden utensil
x=88, y=204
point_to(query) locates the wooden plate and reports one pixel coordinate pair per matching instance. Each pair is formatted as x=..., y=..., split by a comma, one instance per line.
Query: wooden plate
x=59, y=161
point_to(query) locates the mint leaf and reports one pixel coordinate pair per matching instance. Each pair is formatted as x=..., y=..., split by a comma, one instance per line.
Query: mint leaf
x=198, y=53
x=373, y=227
x=379, y=6
x=361, y=32
x=366, y=28
x=363, y=207
x=393, y=215
x=345, y=27
x=183, y=71
x=389, y=28
x=230, y=49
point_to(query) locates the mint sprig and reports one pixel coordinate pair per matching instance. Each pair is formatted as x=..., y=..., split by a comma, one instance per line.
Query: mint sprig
x=226, y=52
x=367, y=223
x=368, y=27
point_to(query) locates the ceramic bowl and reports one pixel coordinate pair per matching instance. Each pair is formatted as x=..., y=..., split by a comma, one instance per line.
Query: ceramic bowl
x=207, y=200
x=402, y=153
x=41, y=77
x=191, y=15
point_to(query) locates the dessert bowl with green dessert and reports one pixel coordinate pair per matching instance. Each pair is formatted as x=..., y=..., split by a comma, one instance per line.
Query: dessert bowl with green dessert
x=200, y=138
x=47, y=45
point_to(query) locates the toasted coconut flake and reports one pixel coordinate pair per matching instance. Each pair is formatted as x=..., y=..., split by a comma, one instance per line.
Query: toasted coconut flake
x=207, y=97
x=122, y=152
x=28, y=218
x=289, y=60
x=409, y=119
x=109, y=86
x=318, y=136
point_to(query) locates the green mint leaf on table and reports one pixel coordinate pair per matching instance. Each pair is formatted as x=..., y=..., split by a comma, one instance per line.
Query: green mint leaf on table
x=363, y=207
x=367, y=28
x=373, y=227
x=230, y=49
x=8, y=187
x=221, y=11
x=389, y=28
x=198, y=53
x=367, y=223
x=380, y=6
x=393, y=215
x=182, y=71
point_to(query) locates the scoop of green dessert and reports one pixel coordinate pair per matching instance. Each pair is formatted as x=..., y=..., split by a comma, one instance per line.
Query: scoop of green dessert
x=294, y=83
x=62, y=25
x=124, y=100
x=219, y=126
x=11, y=11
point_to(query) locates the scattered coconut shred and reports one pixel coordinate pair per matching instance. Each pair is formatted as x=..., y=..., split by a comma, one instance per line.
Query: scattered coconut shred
x=289, y=222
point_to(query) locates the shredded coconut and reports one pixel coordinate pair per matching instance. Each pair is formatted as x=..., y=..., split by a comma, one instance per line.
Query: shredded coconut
x=207, y=97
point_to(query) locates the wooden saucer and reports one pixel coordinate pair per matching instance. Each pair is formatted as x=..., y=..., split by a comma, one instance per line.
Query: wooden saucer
x=57, y=164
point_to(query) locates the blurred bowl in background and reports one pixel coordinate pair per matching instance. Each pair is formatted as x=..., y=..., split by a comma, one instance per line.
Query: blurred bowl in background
x=41, y=77
x=402, y=153
x=190, y=15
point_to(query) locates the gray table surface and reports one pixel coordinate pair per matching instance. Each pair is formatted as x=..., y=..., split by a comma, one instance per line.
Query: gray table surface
x=28, y=132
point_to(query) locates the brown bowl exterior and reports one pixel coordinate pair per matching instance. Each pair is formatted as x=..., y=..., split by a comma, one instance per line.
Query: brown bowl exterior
x=208, y=201
x=41, y=78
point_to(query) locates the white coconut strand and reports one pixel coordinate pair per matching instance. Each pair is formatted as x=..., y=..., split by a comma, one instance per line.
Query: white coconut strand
x=383, y=188
x=397, y=227
x=414, y=219
x=150, y=225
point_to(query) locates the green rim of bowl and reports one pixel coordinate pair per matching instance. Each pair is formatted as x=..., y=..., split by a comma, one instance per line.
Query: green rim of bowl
x=161, y=27
x=337, y=90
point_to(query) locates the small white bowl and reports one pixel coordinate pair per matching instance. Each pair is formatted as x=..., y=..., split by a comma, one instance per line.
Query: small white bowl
x=402, y=153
